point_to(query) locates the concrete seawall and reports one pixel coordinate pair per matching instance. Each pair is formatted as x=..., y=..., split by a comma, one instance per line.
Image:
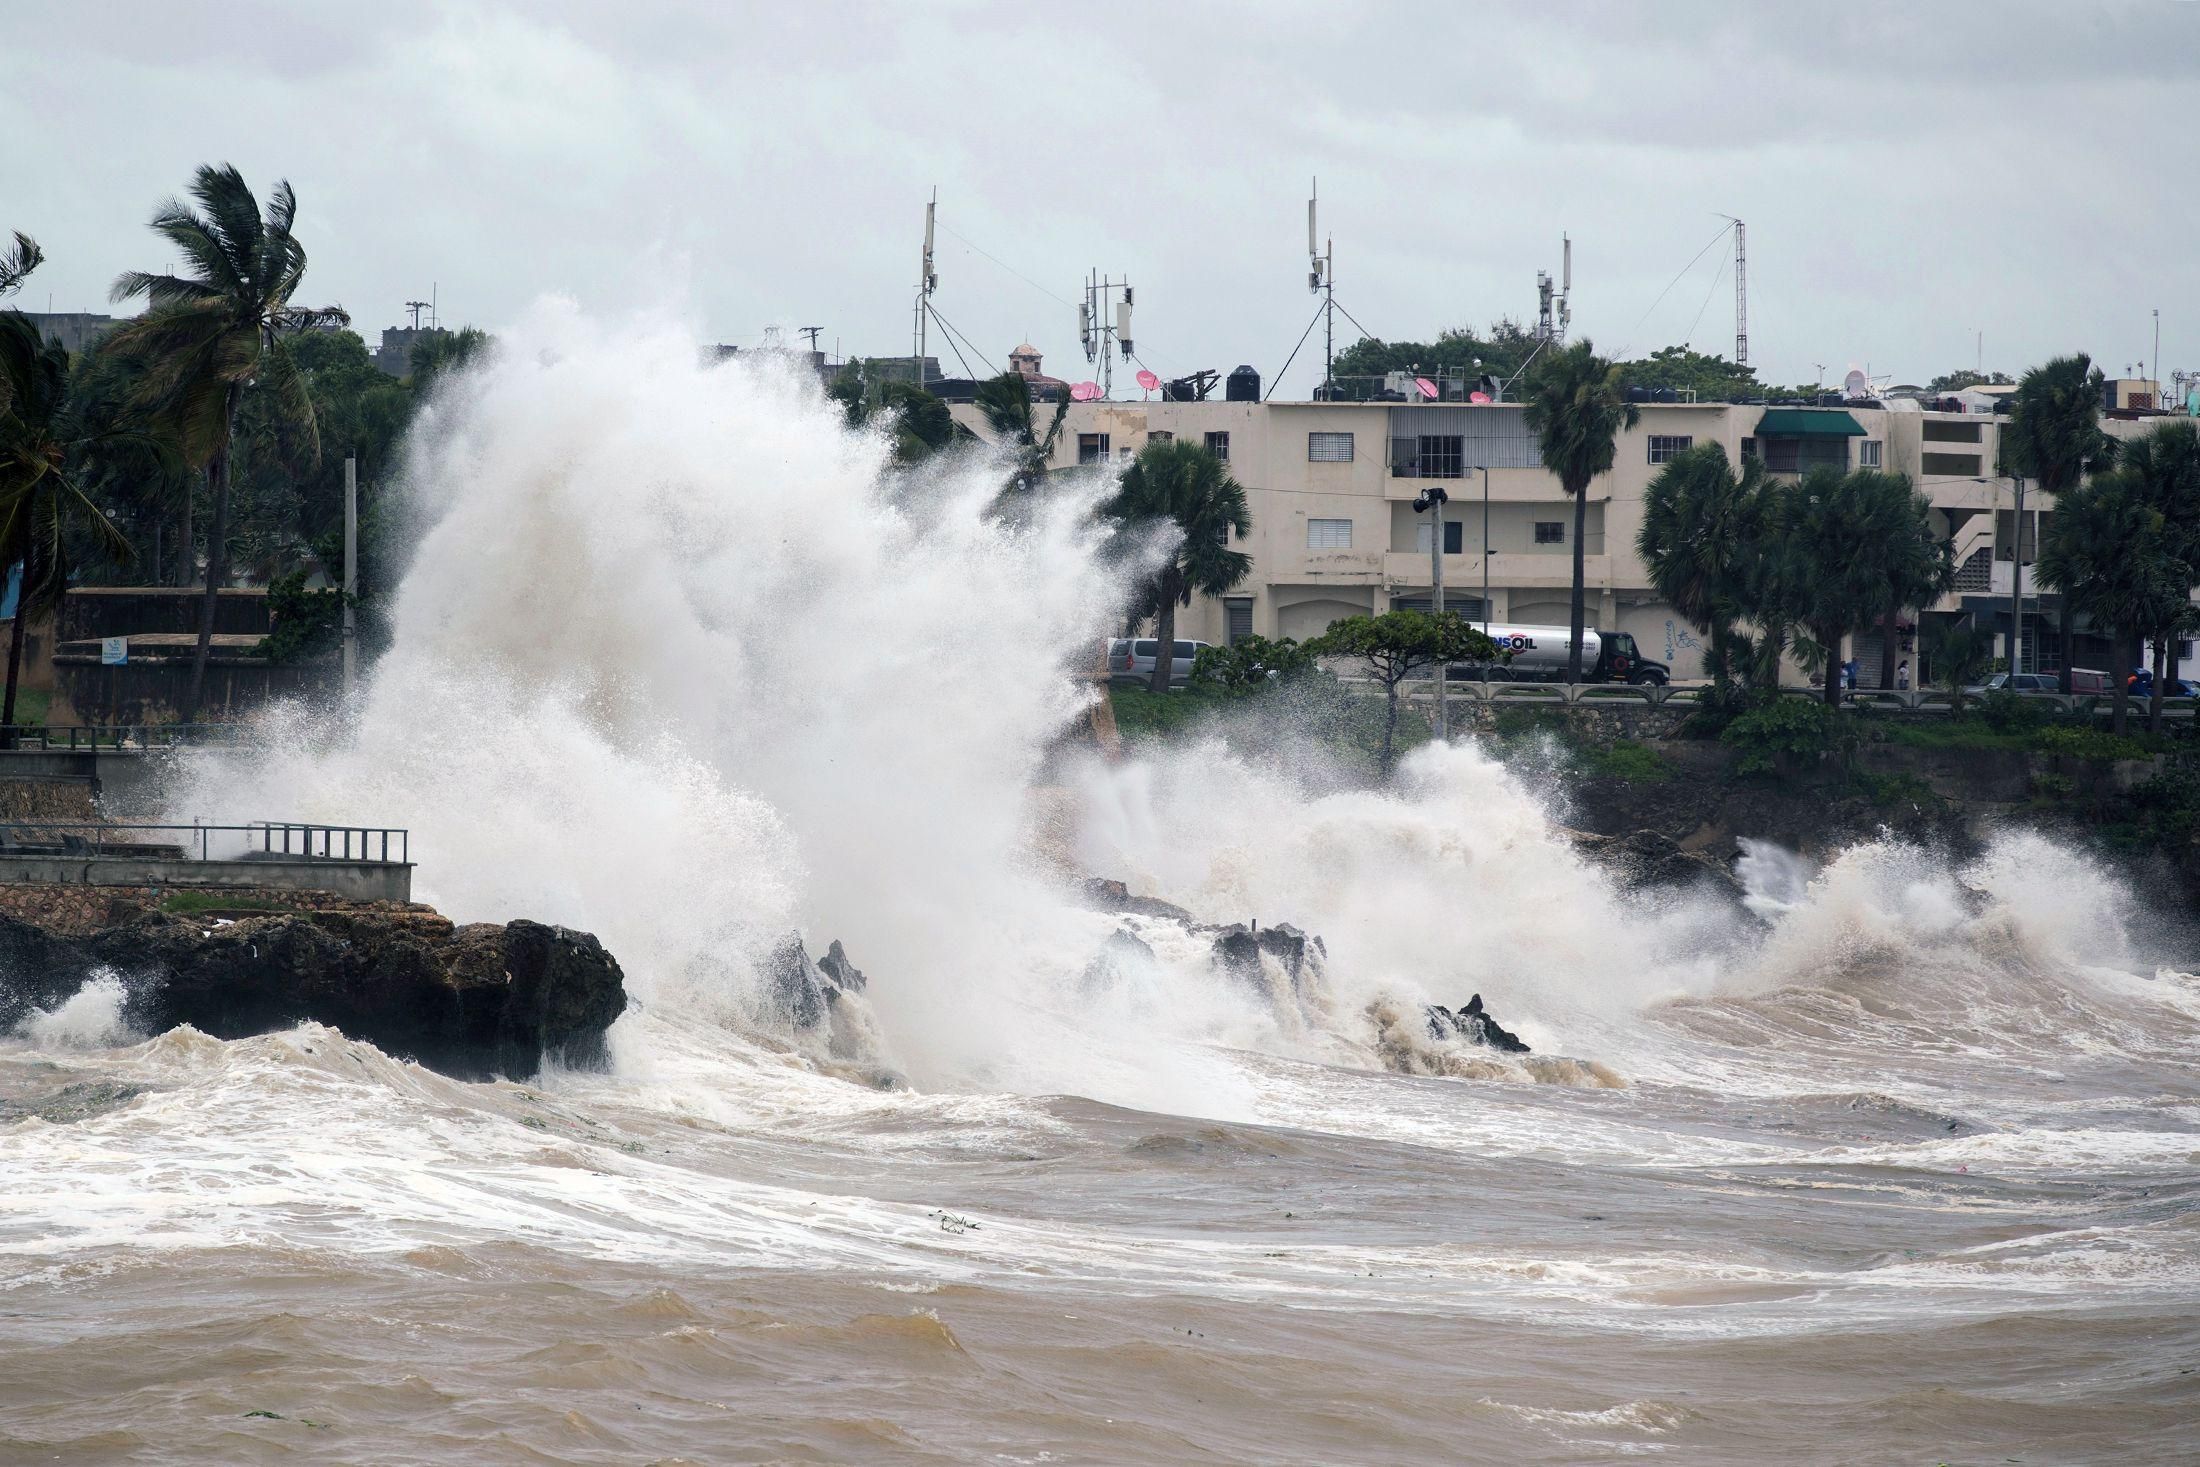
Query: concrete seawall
x=366, y=881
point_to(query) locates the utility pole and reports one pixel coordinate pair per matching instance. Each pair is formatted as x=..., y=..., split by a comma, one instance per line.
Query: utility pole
x=1321, y=277
x=2016, y=585
x=2156, y=375
x=1485, y=550
x=927, y=281
x=1741, y=296
x=1434, y=498
x=351, y=576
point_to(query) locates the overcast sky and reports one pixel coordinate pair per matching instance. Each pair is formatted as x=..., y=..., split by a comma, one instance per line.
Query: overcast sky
x=1911, y=175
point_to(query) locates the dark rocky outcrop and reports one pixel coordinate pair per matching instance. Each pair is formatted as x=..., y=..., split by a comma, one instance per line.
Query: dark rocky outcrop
x=801, y=990
x=1652, y=858
x=1472, y=1023
x=1238, y=948
x=472, y=1002
x=1104, y=895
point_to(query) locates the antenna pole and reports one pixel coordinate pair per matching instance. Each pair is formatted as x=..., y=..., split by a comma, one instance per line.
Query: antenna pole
x=926, y=280
x=1741, y=296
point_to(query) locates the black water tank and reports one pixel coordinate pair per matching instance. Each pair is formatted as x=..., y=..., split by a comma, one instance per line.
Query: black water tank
x=1243, y=386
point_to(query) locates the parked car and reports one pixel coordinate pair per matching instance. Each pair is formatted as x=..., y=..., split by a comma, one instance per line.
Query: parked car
x=2084, y=682
x=1131, y=659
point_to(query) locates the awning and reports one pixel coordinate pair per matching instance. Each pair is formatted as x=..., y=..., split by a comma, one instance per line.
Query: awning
x=1808, y=423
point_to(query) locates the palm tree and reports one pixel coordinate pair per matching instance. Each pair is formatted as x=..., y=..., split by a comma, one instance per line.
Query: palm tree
x=40, y=504
x=1183, y=490
x=18, y=262
x=2054, y=435
x=1006, y=403
x=2106, y=552
x=214, y=332
x=2164, y=468
x=1853, y=547
x=1960, y=653
x=1702, y=530
x=1577, y=407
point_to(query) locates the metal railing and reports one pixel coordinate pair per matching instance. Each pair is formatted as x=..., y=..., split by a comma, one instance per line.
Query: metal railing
x=92, y=739
x=1912, y=700
x=260, y=840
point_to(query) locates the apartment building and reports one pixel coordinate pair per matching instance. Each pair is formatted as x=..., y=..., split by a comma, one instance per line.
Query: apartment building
x=1331, y=488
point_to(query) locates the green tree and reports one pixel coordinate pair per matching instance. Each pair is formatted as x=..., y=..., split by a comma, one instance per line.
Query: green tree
x=40, y=503
x=1577, y=408
x=2054, y=436
x=210, y=334
x=1703, y=535
x=918, y=421
x=1006, y=404
x=2106, y=552
x=1958, y=380
x=1252, y=665
x=2164, y=468
x=1960, y=653
x=1395, y=645
x=1854, y=547
x=1180, y=489
x=1500, y=352
x=1711, y=378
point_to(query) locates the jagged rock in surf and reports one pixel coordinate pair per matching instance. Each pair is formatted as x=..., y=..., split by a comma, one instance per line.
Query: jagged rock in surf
x=1238, y=948
x=472, y=1002
x=802, y=991
x=1122, y=956
x=1104, y=895
x=1472, y=1023
x=1649, y=858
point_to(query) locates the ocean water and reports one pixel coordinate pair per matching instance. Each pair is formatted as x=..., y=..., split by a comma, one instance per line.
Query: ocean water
x=1897, y=1162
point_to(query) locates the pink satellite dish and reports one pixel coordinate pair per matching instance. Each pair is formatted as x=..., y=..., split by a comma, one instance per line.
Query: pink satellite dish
x=1428, y=388
x=1478, y=397
x=1147, y=379
x=1084, y=392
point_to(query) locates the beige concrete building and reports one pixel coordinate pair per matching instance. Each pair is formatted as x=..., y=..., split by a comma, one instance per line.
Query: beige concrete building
x=1331, y=488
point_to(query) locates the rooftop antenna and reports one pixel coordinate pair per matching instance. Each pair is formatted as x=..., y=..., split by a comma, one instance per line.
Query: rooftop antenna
x=927, y=281
x=1741, y=291
x=414, y=308
x=435, y=314
x=1566, y=289
x=1321, y=278
x=1544, y=330
x=811, y=332
x=1101, y=339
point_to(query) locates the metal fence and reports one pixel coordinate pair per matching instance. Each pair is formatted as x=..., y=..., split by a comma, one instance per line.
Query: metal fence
x=256, y=840
x=136, y=736
x=1915, y=700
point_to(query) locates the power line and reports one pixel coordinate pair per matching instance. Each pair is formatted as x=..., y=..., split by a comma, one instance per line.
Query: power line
x=1717, y=276
x=1722, y=234
x=1011, y=269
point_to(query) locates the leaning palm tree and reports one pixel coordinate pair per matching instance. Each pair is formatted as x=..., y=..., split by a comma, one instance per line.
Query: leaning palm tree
x=1183, y=490
x=14, y=265
x=216, y=331
x=2054, y=435
x=1577, y=407
x=1005, y=401
x=40, y=503
x=1702, y=529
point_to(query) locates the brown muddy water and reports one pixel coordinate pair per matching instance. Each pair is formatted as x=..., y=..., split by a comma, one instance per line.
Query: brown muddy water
x=1985, y=1248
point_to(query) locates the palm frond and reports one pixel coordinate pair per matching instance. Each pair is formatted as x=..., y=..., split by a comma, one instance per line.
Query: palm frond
x=18, y=262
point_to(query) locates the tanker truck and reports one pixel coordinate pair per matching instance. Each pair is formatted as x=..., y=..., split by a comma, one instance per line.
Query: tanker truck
x=1538, y=654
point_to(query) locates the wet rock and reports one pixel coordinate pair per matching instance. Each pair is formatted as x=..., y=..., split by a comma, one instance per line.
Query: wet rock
x=1236, y=954
x=472, y=1002
x=81, y=1101
x=1103, y=895
x=1472, y=1023
x=1650, y=858
x=1121, y=957
x=802, y=991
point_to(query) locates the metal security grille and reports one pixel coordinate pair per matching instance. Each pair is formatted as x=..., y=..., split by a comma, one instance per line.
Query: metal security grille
x=1494, y=436
x=1237, y=615
x=1329, y=448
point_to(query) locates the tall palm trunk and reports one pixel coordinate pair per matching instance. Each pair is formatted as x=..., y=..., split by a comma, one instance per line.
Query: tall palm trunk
x=1886, y=649
x=15, y=633
x=1832, y=644
x=217, y=556
x=187, y=562
x=2161, y=680
x=1581, y=581
x=2069, y=644
x=2122, y=680
x=1164, y=622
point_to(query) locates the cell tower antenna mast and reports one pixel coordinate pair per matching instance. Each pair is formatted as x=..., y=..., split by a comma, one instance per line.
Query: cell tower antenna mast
x=1100, y=337
x=1741, y=291
x=927, y=281
x=414, y=308
x=1321, y=278
x=1566, y=288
